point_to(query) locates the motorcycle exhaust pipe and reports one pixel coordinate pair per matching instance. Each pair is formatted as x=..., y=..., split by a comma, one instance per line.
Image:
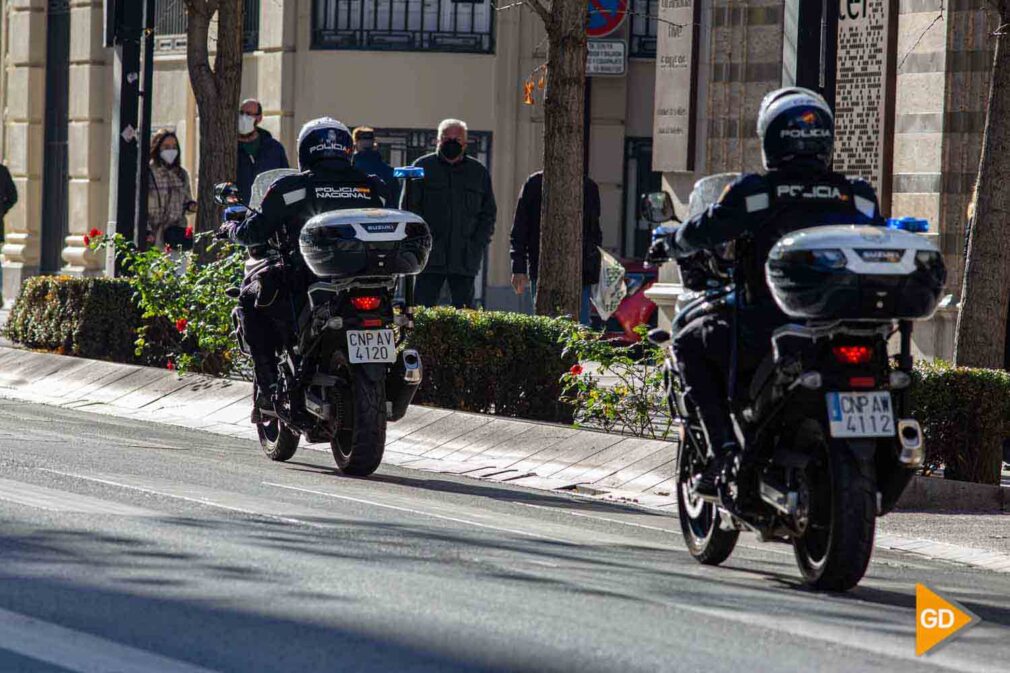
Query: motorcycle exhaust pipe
x=404, y=378
x=913, y=449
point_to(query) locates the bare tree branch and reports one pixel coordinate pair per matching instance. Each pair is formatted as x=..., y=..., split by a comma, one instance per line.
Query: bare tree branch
x=542, y=11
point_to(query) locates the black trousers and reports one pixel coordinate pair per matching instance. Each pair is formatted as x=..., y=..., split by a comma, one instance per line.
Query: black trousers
x=429, y=287
x=704, y=351
x=270, y=302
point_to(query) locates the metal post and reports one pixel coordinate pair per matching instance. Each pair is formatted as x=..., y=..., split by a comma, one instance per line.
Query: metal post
x=144, y=141
x=123, y=168
x=810, y=46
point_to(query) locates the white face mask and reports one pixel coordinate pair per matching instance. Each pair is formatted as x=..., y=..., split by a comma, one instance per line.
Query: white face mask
x=246, y=124
x=169, y=156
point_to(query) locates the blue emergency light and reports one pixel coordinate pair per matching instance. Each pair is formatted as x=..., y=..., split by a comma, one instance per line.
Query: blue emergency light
x=408, y=173
x=915, y=225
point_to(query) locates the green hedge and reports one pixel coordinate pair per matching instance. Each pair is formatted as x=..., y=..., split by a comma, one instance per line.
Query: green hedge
x=86, y=317
x=965, y=414
x=507, y=364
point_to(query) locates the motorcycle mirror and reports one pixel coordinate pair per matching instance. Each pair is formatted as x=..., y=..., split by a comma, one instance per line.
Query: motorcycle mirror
x=408, y=173
x=226, y=194
x=657, y=207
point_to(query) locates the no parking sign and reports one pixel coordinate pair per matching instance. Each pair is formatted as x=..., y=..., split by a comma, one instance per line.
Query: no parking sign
x=606, y=16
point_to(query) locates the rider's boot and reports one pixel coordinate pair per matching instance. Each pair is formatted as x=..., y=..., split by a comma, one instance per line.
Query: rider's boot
x=707, y=483
x=264, y=387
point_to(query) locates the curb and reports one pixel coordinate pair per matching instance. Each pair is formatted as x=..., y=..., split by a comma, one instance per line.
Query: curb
x=593, y=465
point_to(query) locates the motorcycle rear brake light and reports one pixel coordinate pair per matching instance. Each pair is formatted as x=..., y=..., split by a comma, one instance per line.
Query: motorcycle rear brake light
x=853, y=355
x=366, y=303
x=862, y=382
x=372, y=322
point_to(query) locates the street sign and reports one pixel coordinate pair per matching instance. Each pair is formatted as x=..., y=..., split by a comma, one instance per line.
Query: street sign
x=607, y=58
x=606, y=16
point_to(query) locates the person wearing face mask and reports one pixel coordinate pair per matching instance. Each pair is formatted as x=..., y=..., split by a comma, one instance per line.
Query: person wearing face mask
x=169, y=197
x=258, y=150
x=455, y=198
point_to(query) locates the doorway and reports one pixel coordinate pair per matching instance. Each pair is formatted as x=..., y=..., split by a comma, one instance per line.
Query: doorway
x=55, y=168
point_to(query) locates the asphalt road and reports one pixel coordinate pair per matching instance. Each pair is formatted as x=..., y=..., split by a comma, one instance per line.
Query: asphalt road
x=128, y=547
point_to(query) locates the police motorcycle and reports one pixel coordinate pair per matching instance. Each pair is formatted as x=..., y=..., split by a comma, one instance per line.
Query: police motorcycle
x=344, y=374
x=828, y=441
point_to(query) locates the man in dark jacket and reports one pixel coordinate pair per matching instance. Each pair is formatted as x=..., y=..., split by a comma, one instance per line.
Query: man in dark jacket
x=456, y=200
x=525, y=237
x=368, y=160
x=258, y=151
x=8, y=196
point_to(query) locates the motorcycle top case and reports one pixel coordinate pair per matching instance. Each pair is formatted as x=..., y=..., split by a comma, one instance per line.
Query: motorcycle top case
x=365, y=242
x=851, y=272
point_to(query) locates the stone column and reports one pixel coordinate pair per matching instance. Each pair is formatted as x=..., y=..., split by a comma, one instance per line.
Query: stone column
x=26, y=55
x=88, y=146
x=275, y=71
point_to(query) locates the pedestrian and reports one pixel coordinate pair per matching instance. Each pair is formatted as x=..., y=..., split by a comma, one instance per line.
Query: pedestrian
x=368, y=160
x=525, y=238
x=8, y=196
x=169, y=197
x=455, y=198
x=258, y=150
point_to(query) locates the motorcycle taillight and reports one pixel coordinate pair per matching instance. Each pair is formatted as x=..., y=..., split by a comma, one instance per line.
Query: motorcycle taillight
x=853, y=355
x=366, y=303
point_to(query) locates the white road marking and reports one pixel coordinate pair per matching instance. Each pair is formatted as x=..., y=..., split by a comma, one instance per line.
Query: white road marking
x=53, y=500
x=419, y=512
x=81, y=652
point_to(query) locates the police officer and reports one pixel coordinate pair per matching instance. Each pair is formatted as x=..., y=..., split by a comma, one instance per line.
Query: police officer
x=272, y=297
x=796, y=128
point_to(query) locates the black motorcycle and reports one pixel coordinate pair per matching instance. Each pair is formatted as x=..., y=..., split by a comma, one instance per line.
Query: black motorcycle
x=344, y=373
x=828, y=442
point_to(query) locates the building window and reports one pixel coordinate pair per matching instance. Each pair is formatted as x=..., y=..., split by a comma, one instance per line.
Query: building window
x=404, y=25
x=643, y=28
x=401, y=147
x=170, y=25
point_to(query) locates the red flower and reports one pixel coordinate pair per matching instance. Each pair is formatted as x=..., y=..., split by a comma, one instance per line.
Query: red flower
x=170, y=366
x=189, y=232
x=181, y=325
x=95, y=233
x=87, y=241
x=168, y=249
x=575, y=370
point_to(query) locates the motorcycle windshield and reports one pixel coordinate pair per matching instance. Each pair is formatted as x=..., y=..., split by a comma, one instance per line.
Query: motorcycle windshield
x=263, y=182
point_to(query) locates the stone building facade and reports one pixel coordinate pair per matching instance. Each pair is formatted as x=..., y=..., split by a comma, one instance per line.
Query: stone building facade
x=350, y=59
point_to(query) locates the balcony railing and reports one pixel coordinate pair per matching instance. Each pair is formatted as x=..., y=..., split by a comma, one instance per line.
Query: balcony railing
x=170, y=20
x=404, y=25
x=643, y=28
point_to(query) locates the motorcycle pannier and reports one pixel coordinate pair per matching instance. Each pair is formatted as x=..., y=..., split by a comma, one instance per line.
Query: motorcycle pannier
x=366, y=242
x=856, y=273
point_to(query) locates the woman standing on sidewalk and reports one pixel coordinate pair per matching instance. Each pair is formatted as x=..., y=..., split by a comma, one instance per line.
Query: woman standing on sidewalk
x=169, y=197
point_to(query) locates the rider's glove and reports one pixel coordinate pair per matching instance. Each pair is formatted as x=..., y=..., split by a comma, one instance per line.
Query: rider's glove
x=659, y=252
x=224, y=232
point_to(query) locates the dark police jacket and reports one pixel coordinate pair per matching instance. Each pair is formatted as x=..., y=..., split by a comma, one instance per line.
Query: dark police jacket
x=294, y=199
x=457, y=202
x=763, y=208
x=370, y=162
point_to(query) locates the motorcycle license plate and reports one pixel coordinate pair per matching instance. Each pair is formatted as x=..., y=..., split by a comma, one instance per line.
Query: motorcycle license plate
x=370, y=345
x=867, y=414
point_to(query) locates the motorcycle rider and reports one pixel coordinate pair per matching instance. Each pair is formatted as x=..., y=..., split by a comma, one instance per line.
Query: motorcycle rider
x=799, y=190
x=272, y=297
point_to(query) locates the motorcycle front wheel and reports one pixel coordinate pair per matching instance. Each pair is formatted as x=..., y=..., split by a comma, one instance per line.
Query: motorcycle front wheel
x=360, y=439
x=277, y=440
x=834, y=550
x=700, y=520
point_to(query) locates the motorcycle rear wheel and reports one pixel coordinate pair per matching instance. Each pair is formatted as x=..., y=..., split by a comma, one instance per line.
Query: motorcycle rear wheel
x=360, y=442
x=834, y=551
x=700, y=520
x=277, y=440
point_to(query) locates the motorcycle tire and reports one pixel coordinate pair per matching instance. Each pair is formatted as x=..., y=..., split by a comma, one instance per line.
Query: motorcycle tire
x=361, y=440
x=834, y=551
x=700, y=520
x=277, y=440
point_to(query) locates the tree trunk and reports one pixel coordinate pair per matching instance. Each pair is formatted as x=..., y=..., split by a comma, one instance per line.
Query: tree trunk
x=217, y=93
x=559, y=285
x=981, y=336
